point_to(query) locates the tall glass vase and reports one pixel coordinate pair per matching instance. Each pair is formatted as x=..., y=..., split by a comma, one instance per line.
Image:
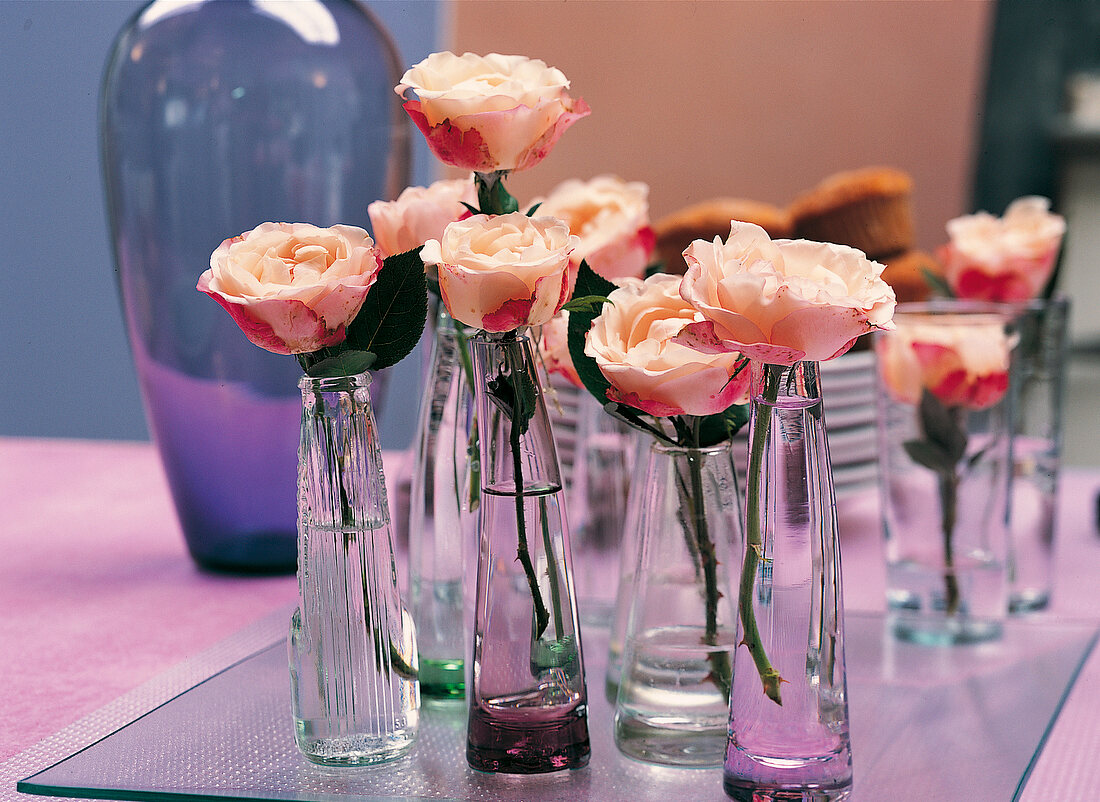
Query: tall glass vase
x=788, y=727
x=445, y=494
x=598, y=493
x=216, y=117
x=673, y=698
x=528, y=701
x=353, y=657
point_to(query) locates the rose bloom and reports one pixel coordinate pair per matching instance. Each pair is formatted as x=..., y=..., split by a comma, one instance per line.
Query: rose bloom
x=502, y=272
x=634, y=344
x=554, y=348
x=420, y=214
x=962, y=363
x=611, y=217
x=1003, y=259
x=487, y=113
x=293, y=287
x=784, y=301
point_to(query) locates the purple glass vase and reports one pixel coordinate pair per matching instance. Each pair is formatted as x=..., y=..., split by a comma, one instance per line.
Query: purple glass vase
x=527, y=697
x=215, y=117
x=788, y=728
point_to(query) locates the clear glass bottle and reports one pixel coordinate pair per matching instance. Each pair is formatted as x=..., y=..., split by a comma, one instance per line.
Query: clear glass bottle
x=598, y=493
x=527, y=700
x=217, y=116
x=352, y=645
x=788, y=727
x=444, y=497
x=673, y=696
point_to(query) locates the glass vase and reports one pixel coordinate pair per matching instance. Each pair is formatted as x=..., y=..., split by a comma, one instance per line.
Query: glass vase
x=353, y=656
x=944, y=470
x=673, y=695
x=1037, y=387
x=788, y=726
x=444, y=498
x=215, y=117
x=527, y=700
x=598, y=491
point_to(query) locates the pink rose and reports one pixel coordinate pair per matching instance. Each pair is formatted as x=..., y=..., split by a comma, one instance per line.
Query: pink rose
x=963, y=361
x=1003, y=259
x=293, y=287
x=784, y=301
x=420, y=214
x=554, y=348
x=488, y=113
x=611, y=217
x=503, y=272
x=634, y=344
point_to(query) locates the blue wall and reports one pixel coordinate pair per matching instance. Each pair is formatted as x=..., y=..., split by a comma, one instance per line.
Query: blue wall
x=65, y=366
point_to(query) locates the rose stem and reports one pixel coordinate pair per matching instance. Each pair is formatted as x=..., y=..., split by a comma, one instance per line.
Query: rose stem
x=949, y=492
x=719, y=660
x=542, y=617
x=754, y=543
x=551, y=571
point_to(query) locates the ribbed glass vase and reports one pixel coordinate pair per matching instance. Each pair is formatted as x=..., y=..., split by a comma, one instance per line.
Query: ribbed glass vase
x=528, y=701
x=353, y=657
x=788, y=727
x=445, y=494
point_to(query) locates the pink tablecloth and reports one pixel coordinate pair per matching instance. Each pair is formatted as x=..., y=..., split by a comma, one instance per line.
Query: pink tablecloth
x=97, y=593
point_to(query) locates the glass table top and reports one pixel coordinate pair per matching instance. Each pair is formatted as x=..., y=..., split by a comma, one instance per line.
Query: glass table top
x=964, y=722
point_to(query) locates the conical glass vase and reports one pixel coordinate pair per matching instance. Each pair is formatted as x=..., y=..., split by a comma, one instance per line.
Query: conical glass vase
x=598, y=494
x=788, y=726
x=445, y=494
x=353, y=657
x=527, y=700
x=673, y=696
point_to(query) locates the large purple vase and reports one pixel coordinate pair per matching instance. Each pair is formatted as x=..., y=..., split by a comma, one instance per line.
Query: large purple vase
x=216, y=116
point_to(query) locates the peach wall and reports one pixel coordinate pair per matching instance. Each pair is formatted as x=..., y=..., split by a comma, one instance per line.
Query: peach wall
x=754, y=99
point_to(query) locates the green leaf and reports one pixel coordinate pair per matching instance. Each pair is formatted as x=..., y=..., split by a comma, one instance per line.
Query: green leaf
x=589, y=303
x=345, y=363
x=941, y=427
x=392, y=318
x=534, y=208
x=722, y=426
x=937, y=283
x=589, y=285
x=513, y=391
x=929, y=455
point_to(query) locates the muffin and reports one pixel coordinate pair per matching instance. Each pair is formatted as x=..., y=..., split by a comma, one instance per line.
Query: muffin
x=711, y=219
x=869, y=209
x=907, y=274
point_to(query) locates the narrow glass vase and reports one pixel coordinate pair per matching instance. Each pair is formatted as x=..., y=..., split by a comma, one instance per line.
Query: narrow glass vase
x=673, y=698
x=788, y=727
x=528, y=706
x=353, y=657
x=442, y=515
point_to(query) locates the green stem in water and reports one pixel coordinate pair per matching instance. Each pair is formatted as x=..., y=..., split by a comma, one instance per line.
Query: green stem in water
x=542, y=617
x=949, y=491
x=754, y=545
x=551, y=570
x=720, y=669
x=473, y=459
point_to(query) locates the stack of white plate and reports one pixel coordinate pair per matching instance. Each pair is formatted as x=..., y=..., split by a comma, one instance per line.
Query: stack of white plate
x=848, y=393
x=848, y=388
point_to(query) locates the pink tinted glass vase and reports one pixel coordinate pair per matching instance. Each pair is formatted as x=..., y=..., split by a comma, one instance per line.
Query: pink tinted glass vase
x=527, y=698
x=791, y=743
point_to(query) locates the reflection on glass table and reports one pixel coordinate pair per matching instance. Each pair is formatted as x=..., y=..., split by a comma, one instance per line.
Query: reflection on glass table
x=927, y=723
